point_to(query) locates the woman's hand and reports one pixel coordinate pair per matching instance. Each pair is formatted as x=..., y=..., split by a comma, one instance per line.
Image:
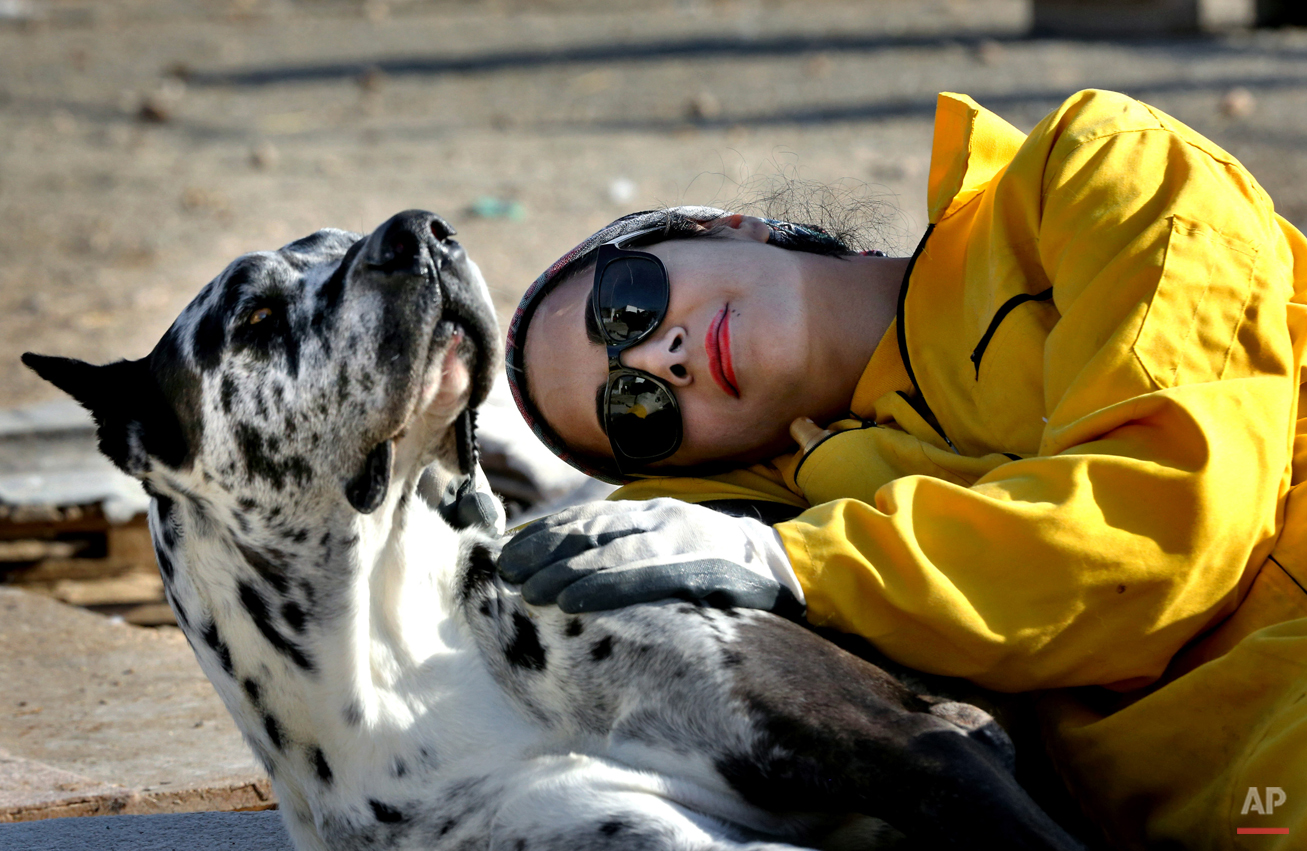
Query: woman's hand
x=606, y=555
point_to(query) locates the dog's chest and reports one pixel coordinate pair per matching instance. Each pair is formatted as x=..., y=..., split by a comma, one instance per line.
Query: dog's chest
x=657, y=674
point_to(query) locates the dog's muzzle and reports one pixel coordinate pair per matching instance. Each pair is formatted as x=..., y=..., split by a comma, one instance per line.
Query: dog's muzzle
x=396, y=248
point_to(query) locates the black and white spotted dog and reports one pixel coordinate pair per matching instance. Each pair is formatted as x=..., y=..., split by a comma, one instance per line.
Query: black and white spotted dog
x=292, y=424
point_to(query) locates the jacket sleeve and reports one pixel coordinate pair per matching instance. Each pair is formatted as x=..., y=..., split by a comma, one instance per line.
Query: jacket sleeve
x=1171, y=388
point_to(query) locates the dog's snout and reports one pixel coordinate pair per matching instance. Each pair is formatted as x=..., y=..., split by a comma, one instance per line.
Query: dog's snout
x=397, y=245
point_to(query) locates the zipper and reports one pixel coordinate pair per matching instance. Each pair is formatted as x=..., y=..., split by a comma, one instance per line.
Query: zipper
x=1007, y=307
x=917, y=402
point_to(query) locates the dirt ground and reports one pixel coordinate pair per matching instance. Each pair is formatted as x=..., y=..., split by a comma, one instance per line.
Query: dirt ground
x=145, y=143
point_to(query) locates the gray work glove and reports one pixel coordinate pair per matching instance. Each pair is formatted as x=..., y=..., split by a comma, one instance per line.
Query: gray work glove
x=605, y=555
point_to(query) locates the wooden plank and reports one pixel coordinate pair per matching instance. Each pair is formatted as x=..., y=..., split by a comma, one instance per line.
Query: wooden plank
x=45, y=573
x=37, y=550
x=132, y=587
x=41, y=522
x=150, y=614
x=131, y=542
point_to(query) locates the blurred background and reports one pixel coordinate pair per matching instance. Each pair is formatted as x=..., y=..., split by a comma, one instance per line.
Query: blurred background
x=146, y=143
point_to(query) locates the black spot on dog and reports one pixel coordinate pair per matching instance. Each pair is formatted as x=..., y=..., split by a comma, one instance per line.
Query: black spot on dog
x=260, y=457
x=273, y=729
x=525, y=651
x=227, y=393
x=342, y=384
x=293, y=615
x=257, y=608
x=167, y=528
x=574, y=627
x=211, y=330
x=265, y=758
x=218, y=646
x=325, y=539
x=166, y=568
x=210, y=339
x=399, y=768
x=353, y=713
x=180, y=392
x=484, y=608
x=480, y=570
x=179, y=612
x=732, y=659
x=320, y=765
x=198, y=509
x=252, y=691
x=328, y=299
x=519, y=845
x=308, y=244
x=612, y=827
x=385, y=812
x=367, y=488
x=272, y=565
x=602, y=649
x=447, y=825
x=247, y=503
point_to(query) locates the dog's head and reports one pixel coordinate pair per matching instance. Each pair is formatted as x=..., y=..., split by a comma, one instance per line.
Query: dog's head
x=315, y=372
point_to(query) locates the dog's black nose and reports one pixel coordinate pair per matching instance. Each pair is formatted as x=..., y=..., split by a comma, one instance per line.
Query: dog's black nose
x=397, y=245
x=441, y=228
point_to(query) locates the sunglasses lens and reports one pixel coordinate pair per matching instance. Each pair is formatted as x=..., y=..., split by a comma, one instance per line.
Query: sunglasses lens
x=643, y=420
x=632, y=298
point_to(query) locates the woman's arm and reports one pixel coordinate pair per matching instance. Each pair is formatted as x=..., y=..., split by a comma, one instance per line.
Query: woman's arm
x=1170, y=384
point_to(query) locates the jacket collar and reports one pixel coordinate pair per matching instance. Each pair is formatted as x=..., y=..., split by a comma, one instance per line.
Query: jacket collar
x=971, y=145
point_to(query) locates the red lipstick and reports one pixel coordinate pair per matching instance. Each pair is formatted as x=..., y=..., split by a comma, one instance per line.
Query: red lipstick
x=717, y=343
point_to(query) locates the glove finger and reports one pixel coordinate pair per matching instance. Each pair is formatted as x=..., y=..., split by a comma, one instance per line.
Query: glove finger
x=718, y=582
x=613, y=589
x=526, y=554
x=725, y=585
x=543, y=587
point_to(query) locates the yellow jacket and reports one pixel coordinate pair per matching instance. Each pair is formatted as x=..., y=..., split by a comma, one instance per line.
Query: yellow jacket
x=1074, y=449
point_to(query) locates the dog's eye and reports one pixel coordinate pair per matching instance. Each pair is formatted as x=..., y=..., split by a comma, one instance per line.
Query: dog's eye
x=259, y=315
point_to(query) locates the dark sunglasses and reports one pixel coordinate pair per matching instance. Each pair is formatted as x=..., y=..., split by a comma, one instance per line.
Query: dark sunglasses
x=629, y=302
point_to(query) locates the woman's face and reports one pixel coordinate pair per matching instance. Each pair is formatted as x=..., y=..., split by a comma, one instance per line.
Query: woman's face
x=736, y=347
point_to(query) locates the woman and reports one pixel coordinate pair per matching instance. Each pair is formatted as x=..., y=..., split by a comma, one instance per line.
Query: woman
x=1060, y=447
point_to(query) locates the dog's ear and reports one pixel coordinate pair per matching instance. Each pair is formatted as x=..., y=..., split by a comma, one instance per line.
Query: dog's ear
x=134, y=421
x=368, y=487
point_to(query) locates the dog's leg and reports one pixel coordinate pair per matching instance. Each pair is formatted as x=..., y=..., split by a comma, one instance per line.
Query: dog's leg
x=579, y=803
x=838, y=734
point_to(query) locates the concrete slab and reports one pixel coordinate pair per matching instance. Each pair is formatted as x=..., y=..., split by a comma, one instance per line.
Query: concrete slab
x=190, y=832
x=98, y=717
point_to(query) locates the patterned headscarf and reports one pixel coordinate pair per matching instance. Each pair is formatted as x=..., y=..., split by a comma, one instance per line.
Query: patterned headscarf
x=674, y=221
